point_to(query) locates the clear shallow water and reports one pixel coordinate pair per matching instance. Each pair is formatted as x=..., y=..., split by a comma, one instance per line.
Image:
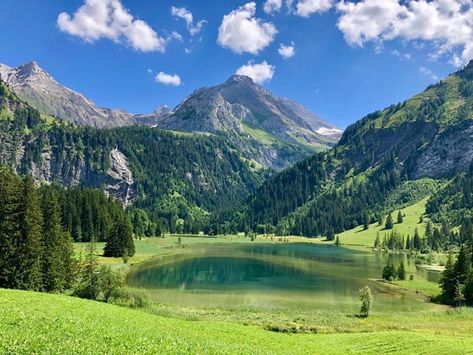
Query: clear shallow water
x=271, y=274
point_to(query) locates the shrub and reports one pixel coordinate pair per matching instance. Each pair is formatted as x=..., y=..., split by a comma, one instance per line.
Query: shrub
x=366, y=299
x=131, y=298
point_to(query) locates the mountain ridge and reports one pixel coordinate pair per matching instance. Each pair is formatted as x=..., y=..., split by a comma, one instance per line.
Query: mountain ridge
x=273, y=132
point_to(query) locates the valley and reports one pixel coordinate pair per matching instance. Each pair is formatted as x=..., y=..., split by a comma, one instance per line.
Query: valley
x=238, y=214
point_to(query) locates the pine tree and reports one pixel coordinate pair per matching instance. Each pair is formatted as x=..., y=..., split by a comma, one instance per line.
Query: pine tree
x=448, y=280
x=88, y=284
x=417, y=242
x=53, y=266
x=401, y=271
x=10, y=208
x=366, y=222
x=337, y=241
x=377, y=241
x=120, y=240
x=400, y=217
x=389, y=222
x=29, y=251
x=429, y=233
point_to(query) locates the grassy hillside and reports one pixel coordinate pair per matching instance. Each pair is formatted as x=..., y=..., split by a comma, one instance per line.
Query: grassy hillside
x=45, y=323
x=358, y=236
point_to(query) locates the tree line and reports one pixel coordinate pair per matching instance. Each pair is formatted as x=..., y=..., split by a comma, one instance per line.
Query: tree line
x=36, y=250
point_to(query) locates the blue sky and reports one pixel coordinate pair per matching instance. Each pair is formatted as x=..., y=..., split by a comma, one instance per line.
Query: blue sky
x=349, y=58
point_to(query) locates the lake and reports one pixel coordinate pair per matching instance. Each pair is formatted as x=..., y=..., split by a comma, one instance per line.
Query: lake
x=273, y=275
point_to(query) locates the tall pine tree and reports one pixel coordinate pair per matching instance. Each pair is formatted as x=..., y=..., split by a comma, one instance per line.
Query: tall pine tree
x=54, y=265
x=29, y=247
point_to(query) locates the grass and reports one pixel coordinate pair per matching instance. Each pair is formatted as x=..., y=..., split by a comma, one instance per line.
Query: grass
x=45, y=323
x=365, y=238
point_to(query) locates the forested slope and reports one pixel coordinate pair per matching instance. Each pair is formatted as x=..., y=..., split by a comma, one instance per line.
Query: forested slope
x=429, y=135
x=180, y=178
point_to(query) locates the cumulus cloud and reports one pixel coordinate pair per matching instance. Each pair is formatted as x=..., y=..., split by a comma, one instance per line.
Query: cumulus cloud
x=272, y=6
x=305, y=8
x=446, y=24
x=287, y=51
x=186, y=15
x=168, y=79
x=242, y=32
x=108, y=19
x=260, y=73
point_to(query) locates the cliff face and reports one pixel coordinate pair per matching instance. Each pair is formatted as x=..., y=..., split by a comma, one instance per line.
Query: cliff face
x=69, y=169
x=30, y=145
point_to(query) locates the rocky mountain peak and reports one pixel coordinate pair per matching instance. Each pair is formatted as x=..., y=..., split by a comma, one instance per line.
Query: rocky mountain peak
x=29, y=69
x=162, y=110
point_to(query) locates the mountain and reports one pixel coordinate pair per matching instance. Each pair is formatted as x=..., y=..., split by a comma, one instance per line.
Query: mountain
x=35, y=86
x=273, y=131
x=179, y=178
x=379, y=158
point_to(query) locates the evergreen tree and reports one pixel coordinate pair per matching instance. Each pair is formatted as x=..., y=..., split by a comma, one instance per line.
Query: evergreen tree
x=377, y=241
x=120, y=240
x=401, y=271
x=330, y=234
x=29, y=246
x=389, y=222
x=448, y=280
x=417, y=242
x=400, y=217
x=53, y=262
x=88, y=286
x=366, y=222
x=10, y=209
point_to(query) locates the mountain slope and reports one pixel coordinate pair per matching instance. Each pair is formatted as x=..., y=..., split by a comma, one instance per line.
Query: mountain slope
x=429, y=135
x=35, y=86
x=179, y=178
x=274, y=131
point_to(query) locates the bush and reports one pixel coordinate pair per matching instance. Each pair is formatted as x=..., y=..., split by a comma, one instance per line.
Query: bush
x=131, y=298
x=101, y=284
x=366, y=299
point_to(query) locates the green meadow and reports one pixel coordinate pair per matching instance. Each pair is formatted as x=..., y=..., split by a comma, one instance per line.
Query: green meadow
x=47, y=323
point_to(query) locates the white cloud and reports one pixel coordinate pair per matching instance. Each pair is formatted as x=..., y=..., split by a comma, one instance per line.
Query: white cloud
x=175, y=36
x=186, y=15
x=242, y=32
x=305, y=8
x=108, y=19
x=168, y=79
x=272, y=6
x=149, y=70
x=287, y=51
x=260, y=73
x=446, y=24
x=427, y=72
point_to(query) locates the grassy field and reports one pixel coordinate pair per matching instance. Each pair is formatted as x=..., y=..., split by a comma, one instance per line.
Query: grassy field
x=31, y=321
x=44, y=323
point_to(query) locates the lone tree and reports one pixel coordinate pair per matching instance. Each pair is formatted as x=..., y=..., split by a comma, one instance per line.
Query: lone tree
x=400, y=217
x=389, y=222
x=366, y=222
x=120, y=240
x=337, y=241
x=366, y=299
